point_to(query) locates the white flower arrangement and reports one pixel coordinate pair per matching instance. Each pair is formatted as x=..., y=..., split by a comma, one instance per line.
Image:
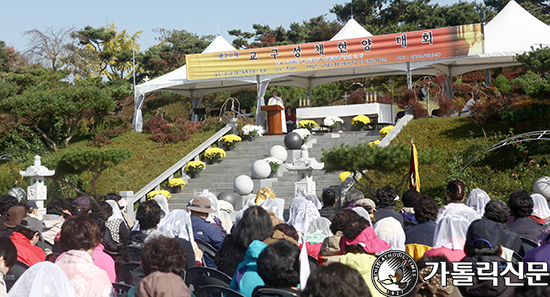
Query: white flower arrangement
x=332, y=121
x=304, y=134
x=252, y=130
x=274, y=163
x=225, y=206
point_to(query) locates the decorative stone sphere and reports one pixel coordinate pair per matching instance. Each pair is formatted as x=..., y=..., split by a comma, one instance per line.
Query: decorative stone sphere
x=18, y=193
x=542, y=186
x=261, y=169
x=278, y=152
x=243, y=185
x=293, y=141
x=227, y=196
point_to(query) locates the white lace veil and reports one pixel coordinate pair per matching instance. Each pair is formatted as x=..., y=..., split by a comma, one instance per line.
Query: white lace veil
x=364, y=213
x=318, y=230
x=301, y=213
x=477, y=200
x=390, y=230
x=43, y=279
x=163, y=203
x=452, y=228
x=315, y=200
x=178, y=224
x=540, y=206
x=273, y=205
x=117, y=214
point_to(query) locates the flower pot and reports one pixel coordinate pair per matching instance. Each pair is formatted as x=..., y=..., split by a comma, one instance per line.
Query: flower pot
x=272, y=174
x=251, y=137
x=356, y=128
x=193, y=174
x=228, y=147
x=174, y=190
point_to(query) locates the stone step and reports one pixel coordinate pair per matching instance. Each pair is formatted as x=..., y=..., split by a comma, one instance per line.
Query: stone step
x=219, y=178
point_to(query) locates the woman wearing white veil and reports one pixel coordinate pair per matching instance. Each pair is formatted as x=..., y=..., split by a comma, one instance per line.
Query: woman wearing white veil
x=301, y=213
x=541, y=212
x=178, y=224
x=364, y=213
x=117, y=224
x=450, y=235
x=315, y=200
x=43, y=279
x=318, y=230
x=163, y=203
x=390, y=230
x=477, y=200
x=272, y=205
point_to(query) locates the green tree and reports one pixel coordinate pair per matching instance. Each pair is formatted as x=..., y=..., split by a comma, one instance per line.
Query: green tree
x=122, y=46
x=10, y=60
x=92, y=42
x=56, y=113
x=76, y=162
x=392, y=16
x=170, y=53
x=356, y=159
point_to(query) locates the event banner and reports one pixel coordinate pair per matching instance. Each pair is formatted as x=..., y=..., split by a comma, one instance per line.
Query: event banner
x=356, y=52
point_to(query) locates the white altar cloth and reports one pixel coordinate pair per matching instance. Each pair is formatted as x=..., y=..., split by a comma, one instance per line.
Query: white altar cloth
x=386, y=112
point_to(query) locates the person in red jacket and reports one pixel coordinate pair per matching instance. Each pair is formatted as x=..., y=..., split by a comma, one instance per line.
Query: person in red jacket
x=24, y=237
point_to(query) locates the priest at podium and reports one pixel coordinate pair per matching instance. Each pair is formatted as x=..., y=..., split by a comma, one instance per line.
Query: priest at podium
x=276, y=100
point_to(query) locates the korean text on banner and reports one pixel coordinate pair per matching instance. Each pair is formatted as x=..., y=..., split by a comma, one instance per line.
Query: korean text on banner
x=392, y=48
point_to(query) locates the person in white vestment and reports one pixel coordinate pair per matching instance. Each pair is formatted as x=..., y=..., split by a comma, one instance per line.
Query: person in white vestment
x=276, y=100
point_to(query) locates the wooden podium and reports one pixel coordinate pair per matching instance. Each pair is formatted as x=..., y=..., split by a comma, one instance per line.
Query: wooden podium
x=274, y=125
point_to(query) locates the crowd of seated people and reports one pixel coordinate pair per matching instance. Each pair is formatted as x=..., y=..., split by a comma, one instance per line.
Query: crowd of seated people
x=80, y=247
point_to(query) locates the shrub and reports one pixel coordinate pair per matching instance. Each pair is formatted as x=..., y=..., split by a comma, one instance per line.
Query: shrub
x=164, y=132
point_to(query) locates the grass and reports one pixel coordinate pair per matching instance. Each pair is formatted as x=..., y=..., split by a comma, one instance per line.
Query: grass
x=149, y=160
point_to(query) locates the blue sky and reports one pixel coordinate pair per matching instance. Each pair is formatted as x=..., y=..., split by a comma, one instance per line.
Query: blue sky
x=200, y=17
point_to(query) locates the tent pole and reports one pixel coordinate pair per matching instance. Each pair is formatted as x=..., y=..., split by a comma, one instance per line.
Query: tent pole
x=409, y=76
x=309, y=92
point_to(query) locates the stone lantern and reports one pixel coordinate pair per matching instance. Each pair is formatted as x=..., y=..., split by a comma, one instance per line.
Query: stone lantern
x=37, y=191
x=304, y=166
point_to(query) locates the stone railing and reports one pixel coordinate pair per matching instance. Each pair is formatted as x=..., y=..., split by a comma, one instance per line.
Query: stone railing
x=140, y=195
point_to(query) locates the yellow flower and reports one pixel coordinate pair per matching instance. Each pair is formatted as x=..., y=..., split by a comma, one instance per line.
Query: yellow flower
x=360, y=120
x=176, y=182
x=194, y=166
x=374, y=143
x=308, y=124
x=214, y=153
x=384, y=131
x=152, y=194
x=230, y=139
x=342, y=177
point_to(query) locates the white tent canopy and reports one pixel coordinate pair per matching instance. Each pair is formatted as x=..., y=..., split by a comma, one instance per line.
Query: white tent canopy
x=512, y=31
x=351, y=30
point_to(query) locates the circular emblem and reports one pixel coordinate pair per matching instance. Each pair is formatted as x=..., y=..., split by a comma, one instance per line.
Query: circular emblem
x=394, y=273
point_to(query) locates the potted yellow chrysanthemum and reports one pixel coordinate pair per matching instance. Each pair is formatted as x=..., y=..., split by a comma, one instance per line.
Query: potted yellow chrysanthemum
x=307, y=124
x=193, y=168
x=360, y=121
x=384, y=131
x=175, y=185
x=214, y=155
x=229, y=141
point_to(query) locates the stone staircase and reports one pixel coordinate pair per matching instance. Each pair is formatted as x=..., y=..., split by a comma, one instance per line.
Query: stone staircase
x=218, y=178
